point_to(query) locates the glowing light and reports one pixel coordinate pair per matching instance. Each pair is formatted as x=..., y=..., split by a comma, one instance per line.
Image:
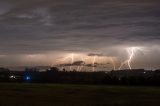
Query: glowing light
x=27, y=78
x=12, y=77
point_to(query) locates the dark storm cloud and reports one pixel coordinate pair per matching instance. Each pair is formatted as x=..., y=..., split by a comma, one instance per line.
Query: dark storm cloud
x=96, y=54
x=76, y=63
x=35, y=26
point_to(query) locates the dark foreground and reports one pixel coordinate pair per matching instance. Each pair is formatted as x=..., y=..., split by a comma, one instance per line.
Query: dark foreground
x=77, y=95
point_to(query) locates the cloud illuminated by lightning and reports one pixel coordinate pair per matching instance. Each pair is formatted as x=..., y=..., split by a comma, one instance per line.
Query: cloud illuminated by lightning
x=71, y=57
x=92, y=60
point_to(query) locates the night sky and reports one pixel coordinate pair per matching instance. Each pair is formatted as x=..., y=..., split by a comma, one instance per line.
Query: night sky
x=40, y=32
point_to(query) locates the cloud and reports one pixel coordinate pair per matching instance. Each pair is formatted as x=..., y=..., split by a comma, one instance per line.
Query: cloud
x=96, y=54
x=34, y=27
x=78, y=63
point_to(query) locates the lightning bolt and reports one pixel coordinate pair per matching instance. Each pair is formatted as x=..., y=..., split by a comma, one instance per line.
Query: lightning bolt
x=84, y=60
x=131, y=52
x=71, y=57
x=113, y=63
x=59, y=61
x=122, y=64
x=79, y=67
x=93, y=63
x=72, y=60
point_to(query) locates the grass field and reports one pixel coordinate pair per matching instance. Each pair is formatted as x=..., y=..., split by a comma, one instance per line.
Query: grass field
x=77, y=95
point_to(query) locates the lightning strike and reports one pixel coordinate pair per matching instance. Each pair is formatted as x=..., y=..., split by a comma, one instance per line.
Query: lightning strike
x=93, y=63
x=72, y=60
x=84, y=60
x=131, y=52
x=113, y=63
x=122, y=64
x=71, y=57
